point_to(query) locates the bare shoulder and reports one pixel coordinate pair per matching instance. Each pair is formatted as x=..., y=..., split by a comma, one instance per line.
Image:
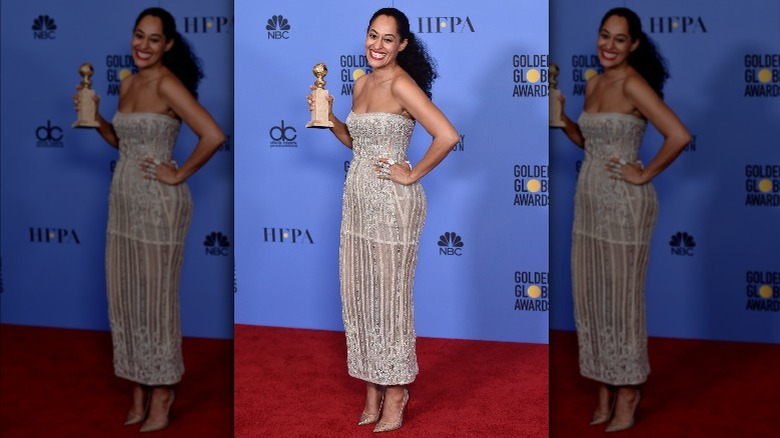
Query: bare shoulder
x=169, y=83
x=361, y=80
x=124, y=86
x=404, y=86
x=591, y=84
x=635, y=84
x=359, y=84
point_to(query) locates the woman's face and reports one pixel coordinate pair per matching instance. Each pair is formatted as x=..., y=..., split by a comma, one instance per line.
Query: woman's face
x=149, y=44
x=614, y=43
x=383, y=42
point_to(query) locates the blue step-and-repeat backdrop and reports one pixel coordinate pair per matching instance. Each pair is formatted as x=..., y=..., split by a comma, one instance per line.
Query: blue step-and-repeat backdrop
x=714, y=268
x=715, y=258
x=483, y=265
x=55, y=179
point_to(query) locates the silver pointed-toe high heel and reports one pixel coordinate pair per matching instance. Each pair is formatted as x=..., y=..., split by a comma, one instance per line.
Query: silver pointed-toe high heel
x=151, y=427
x=617, y=427
x=599, y=418
x=385, y=426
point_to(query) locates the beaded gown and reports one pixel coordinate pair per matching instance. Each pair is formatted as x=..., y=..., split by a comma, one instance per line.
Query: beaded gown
x=613, y=224
x=380, y=235
x=147, y=226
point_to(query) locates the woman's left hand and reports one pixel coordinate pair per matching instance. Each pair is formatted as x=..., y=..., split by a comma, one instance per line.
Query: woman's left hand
x=164, y=172
x=397, y=172
x=631, y=173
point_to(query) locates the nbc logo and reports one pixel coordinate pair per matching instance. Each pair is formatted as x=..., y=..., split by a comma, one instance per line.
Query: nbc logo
x=682, y=244
x=450, y=244
x=278, y=28
x=216, y=244
x=43, y=28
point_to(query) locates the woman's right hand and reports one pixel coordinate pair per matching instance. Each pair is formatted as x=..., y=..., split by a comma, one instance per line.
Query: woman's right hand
x=310, y=100
x=77, y=99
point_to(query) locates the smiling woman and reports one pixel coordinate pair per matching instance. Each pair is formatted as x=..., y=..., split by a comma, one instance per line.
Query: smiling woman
x=384, y=211
x=615, y=212
x=149, y=212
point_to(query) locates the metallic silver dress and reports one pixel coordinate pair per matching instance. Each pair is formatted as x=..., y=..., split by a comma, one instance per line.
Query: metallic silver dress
x=380, y=235
x=613, y=223
x=147, y=225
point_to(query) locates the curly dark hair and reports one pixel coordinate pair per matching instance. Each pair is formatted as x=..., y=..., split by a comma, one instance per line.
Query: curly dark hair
x=646, y=58
x=414, y=59
x=180, y=59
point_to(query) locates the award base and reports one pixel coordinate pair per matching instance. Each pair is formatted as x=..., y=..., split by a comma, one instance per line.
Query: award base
x=319, y=115
x=319, y=124
x=85, y=124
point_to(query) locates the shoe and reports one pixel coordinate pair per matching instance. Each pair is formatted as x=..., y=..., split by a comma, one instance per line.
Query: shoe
x=617, y=427
x=384, y=426
x=147, y=427
x=371, y=418
x=599, y=418
x=134, y=418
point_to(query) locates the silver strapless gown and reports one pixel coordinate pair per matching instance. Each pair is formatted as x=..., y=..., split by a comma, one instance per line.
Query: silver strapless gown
x=380, y=235
x=613, y=223
x=147, y=226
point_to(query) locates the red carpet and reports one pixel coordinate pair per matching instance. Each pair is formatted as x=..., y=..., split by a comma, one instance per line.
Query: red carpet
x=695, y=389
x=294, y=383
x=60, y=383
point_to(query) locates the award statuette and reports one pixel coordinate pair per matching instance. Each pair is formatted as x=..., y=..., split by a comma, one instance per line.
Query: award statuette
x=320, y=111
x=86, y=114
x=555, y=104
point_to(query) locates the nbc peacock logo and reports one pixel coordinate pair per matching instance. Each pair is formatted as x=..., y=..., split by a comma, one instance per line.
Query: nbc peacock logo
x=450, y=244
x=278, y=28
x=43, y=28
x=216, y=244
x=682, y=244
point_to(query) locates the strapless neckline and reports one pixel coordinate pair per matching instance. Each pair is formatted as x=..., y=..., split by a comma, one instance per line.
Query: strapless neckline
x=144, y=114
x=614, y=114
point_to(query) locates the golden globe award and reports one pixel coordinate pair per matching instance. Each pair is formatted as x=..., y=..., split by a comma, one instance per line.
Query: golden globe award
x=87, y=107
x=555, y=104
x=320, y=108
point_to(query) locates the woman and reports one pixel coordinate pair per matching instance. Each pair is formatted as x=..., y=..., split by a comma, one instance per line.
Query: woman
x=149, y=212
x=615, y=212
x=384, y=210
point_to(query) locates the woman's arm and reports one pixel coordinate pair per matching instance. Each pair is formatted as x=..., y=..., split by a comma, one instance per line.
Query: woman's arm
x=676, y=136
x=339, y=129
x=106, y=130
x=420, y=107
x=572, y=129
x=210, y=136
